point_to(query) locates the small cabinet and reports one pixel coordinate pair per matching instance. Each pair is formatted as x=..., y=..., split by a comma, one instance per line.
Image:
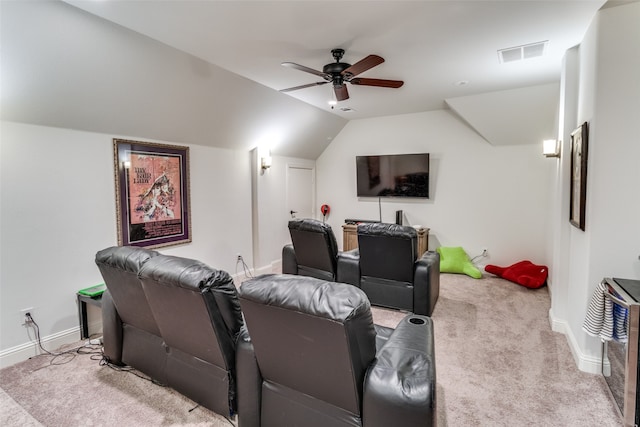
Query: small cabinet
x=350, y=238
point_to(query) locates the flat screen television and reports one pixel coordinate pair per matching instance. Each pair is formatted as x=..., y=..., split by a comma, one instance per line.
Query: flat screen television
x=394, y=175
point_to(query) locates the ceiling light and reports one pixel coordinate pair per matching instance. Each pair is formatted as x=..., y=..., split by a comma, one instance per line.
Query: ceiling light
x=333, y=102
x=518, y=53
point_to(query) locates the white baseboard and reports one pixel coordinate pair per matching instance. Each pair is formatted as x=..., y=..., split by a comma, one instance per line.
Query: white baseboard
x=557, y=325
x=589, y=364
x=22, y=352
x=274, y=267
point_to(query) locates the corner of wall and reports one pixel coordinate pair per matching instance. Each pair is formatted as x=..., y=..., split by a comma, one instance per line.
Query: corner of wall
x=585, y=363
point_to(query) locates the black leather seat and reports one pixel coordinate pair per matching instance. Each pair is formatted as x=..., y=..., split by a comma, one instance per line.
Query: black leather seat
x=313, y=252
x=199, y=317
x=316, y=363
x=130, y=333
x=175, y=319
x=391, y=274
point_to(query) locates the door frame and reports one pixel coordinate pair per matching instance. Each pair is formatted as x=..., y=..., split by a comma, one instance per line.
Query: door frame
x=301, y=165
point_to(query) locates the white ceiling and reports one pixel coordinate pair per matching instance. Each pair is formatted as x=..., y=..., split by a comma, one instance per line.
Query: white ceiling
x=431, y=45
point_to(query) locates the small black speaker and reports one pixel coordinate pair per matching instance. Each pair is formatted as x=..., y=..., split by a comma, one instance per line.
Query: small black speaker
x=399, y=217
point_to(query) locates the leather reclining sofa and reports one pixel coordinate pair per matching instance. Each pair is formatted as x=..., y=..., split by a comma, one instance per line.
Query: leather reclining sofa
x=308, y=354
x=174, y=319
x=386, y=265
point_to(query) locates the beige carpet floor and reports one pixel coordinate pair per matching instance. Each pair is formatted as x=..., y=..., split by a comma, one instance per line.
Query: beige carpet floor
x=498, y=364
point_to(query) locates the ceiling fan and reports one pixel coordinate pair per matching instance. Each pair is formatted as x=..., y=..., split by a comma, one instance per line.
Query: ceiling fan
x=340, y=73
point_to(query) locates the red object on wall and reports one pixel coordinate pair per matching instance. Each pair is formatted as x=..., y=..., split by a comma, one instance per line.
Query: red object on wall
x=325, y=209
x=524, y=273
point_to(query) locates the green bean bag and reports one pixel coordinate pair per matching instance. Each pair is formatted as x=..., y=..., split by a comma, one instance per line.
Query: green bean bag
x=456, y=260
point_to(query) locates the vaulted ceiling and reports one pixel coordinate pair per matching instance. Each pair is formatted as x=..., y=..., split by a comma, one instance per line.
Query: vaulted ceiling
x=209, y=72
x=440, y=49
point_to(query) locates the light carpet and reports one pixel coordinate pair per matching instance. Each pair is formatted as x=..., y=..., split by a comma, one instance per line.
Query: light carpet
x=497, y=364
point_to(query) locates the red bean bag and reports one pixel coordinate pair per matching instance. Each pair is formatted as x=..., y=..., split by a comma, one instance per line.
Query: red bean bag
x=524, y=273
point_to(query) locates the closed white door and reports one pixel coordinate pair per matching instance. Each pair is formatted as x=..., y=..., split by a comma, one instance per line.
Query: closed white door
x=300, y=191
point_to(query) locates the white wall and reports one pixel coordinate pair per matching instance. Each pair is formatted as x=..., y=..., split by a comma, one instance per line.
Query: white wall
x=561, y=231
x=64, y=67
x=58, y=210
x=271, y=208
x=481, y=195
x=608, y=98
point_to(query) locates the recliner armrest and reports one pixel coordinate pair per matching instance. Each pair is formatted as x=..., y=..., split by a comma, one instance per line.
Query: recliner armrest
x=382, y=335
x=349, y=267
x=426, y=283
x=400, y=386
x=248, y=382
x=289, y=261
x=111, y=330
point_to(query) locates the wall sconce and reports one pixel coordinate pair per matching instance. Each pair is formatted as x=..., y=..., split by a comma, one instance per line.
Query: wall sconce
x=550, y=148
x=265, y=162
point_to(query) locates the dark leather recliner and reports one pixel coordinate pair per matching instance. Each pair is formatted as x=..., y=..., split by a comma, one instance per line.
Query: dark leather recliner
x=313, y=252
x=316, y=363
x=130, y=332
x=391, y=274
x=175, y=319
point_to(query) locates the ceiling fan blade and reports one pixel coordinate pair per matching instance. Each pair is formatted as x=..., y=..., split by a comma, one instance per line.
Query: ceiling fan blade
x=303, y=86
x=305, y=69
x=363, y=65
x=377, y=82
x=341, y=92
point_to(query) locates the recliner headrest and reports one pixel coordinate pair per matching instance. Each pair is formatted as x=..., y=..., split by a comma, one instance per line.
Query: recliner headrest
x=387, y=230
x=308, y=224
x=187, y=273
x=330, y=300
x=127, y=258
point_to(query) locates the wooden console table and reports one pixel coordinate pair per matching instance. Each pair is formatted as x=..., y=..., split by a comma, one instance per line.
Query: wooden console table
x=350, y=238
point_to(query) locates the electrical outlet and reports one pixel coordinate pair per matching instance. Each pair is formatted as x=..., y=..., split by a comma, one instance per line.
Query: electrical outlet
x=23, y=315
x=239, y=258
x=485, y=252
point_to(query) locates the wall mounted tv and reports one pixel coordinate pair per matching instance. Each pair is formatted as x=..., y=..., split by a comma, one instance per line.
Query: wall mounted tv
x=394, y=175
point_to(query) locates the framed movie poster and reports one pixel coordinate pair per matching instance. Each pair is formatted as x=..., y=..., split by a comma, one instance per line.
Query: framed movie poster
x=579, y=151
x=152, y=193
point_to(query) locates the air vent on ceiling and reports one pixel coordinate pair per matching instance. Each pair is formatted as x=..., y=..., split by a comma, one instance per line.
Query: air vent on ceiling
x=347, y=109
x=519, y=53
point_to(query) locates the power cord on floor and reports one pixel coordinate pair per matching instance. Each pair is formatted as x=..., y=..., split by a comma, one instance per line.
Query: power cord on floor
x=95, y=351
x=104, y=361
x=245, y=268
x=87, y=348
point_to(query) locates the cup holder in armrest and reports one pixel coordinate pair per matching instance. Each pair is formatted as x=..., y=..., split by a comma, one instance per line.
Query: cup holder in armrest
x=416, y=321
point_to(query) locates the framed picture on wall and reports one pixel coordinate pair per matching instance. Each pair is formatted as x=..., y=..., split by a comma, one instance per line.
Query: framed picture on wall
x=152, y=193
x=579, y=152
